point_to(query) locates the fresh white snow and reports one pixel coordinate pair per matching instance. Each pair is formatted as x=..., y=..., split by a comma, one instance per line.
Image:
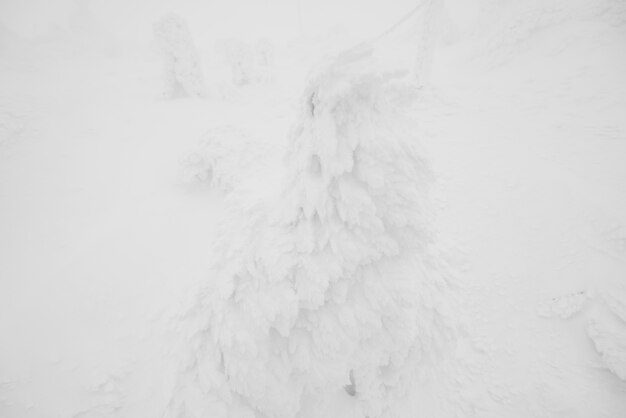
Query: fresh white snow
x=115, y=202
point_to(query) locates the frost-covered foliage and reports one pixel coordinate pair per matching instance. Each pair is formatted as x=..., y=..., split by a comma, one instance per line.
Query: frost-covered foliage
x=265, y=52
x=608, y=335
x=181, y=65
x=327, y=301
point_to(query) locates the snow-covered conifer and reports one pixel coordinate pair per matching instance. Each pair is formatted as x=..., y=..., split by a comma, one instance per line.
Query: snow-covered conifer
x=224, y=158
x=181, y=65
x=265, y=53
x=240, y=58
x=325, y=301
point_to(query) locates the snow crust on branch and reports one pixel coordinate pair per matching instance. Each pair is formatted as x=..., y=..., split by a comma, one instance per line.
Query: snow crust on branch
x=181, y=66
x=328, y=301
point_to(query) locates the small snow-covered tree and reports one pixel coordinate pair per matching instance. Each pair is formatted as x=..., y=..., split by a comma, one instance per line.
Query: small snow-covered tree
x=248, y=64
x=239, y=57
x=265, y=52
x=224, y=158
x=326, y=301
x=181, y=65
x=265, y=55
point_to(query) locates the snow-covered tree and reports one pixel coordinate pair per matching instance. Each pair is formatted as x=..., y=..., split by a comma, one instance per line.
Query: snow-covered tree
x=248, y=64
x=265, y=55
x=327, y=301
x=181, y=65
x=225, y=157
x=239, y=57
x=265, y=52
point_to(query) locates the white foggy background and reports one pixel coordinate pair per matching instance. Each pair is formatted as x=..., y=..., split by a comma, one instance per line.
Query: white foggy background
x=243, y=18
x=100, y=243
x=247, y=19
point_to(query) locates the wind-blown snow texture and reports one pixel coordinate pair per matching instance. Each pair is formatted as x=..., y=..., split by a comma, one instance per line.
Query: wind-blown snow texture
x=128, y=223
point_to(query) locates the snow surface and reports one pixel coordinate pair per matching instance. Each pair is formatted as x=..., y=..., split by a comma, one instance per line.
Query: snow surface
x=114, y=202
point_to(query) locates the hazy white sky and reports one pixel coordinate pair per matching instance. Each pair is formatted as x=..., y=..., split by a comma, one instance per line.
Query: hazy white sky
x=212, y=18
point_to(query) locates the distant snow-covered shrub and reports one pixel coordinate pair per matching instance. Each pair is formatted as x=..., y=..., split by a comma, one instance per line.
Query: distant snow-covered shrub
x=265, y=56
x=225, y=156
x=265, y=52
x=181, y=65
x=328, y=300
x=240, y=58
x=248, y=65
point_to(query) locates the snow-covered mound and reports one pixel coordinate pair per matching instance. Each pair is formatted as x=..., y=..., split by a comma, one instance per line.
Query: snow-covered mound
x=608, y=335
x=326, y=301
x=605, y=326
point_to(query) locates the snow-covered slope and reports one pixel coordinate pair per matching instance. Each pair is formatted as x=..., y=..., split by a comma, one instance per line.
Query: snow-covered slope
x=103, y=245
